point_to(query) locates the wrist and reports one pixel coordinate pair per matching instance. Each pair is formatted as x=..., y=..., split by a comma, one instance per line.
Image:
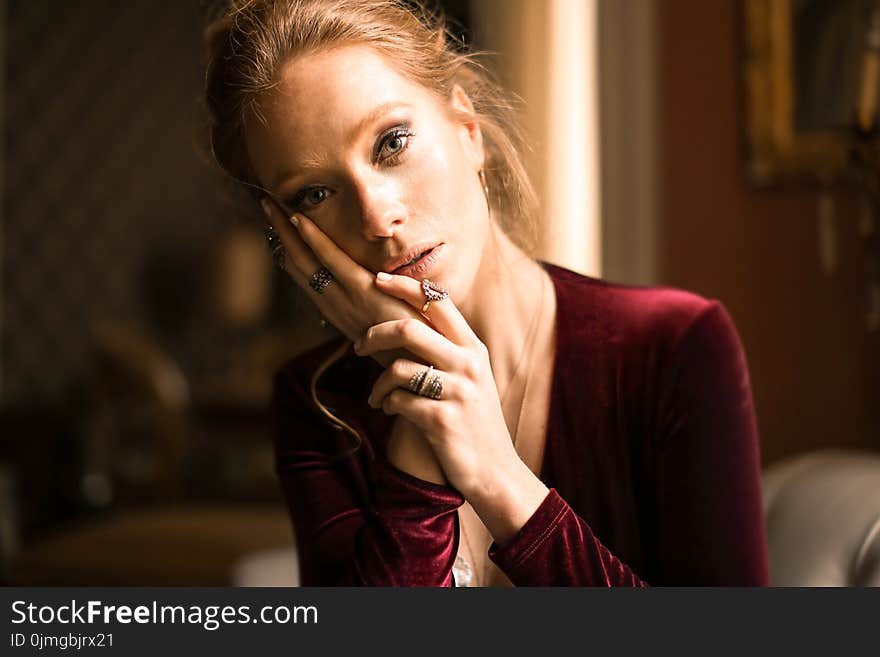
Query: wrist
x=507, y=497
x=408, y=451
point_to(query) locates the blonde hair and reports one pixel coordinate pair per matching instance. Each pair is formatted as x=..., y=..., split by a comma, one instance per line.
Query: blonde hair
x=249, y=43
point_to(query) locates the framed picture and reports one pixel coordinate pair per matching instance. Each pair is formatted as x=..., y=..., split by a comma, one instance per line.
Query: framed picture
x=802, y=73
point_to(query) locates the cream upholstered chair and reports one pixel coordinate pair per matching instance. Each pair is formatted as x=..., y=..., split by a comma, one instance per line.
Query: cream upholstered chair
x=272, y=567
x=823, y=519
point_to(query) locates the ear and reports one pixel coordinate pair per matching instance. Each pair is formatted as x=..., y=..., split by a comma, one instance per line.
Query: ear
x=469, y=129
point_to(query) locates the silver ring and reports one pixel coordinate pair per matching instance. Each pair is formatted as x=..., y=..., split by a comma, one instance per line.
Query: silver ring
x=320, y=280
x=434, y=388
x=417, y=380
x=421, y=383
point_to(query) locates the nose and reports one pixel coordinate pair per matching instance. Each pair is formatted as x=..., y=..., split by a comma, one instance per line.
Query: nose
x=381, y=207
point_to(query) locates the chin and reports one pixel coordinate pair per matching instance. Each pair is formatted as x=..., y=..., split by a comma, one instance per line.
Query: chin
x=459, y=282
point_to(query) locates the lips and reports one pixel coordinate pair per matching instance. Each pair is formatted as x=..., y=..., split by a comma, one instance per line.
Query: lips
x=424, y=265
x=409, y=258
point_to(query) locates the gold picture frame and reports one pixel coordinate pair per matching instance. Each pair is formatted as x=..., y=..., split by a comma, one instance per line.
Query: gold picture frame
x=778, y=146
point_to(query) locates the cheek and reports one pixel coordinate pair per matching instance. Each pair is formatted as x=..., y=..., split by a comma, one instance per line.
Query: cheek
x=442, y=180
x=449, y=193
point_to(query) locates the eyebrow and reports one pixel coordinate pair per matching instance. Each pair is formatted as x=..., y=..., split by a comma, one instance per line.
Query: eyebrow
x=374, y=115
x=308, y=163
x=369, y=119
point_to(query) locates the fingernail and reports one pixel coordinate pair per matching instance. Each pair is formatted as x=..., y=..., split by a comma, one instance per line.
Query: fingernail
x=266, y=209
x=382, y=276
x=294, y=220
x=357, y=345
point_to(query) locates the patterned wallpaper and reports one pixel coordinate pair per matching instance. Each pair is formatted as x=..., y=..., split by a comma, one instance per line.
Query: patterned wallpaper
x=109, y=210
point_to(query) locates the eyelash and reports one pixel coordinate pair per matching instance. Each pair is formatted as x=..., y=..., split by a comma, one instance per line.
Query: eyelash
x=398, y=132
x=401, y=131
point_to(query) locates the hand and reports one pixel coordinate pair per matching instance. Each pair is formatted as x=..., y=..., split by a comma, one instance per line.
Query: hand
x=465, y=426
x=351, y=302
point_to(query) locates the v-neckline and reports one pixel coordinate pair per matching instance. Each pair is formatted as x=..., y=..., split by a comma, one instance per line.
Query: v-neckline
x=553, y=410
x=554, y=383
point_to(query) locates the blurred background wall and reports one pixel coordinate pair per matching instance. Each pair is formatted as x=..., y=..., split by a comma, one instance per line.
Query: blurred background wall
x=140, y=318
x=813, y=360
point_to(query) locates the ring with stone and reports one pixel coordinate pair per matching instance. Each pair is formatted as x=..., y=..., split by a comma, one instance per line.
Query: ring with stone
x=320, y=280
x=432, y=292
x=425, y=385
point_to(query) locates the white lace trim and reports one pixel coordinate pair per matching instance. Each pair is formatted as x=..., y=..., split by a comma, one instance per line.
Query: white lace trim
x=462, y=572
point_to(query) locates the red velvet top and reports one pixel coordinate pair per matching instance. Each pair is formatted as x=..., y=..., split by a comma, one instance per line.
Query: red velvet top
x=651, y=459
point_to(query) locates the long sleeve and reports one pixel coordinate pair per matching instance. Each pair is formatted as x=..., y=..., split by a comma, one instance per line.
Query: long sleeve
x=557, y=548
x=706, y=523
x=357, y=521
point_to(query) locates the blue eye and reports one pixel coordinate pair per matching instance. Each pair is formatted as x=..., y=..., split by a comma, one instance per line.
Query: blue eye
x=393, y=144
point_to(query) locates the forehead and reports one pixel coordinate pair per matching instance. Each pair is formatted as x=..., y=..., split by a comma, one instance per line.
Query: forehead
x=342, y=76
x=321, y=97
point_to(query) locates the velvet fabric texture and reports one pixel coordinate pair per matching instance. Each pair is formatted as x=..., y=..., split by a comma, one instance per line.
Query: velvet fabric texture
x=651, y=459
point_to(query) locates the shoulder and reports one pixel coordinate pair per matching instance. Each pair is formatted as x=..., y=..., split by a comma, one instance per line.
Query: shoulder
x=675, y=352
x=634, y=317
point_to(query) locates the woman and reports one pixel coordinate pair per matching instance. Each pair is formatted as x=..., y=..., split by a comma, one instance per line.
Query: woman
x=531, y=426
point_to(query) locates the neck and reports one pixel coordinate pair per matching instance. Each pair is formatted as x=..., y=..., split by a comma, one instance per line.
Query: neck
x=503, y=302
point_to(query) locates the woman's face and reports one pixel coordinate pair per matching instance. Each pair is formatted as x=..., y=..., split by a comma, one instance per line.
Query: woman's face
x=377, y=162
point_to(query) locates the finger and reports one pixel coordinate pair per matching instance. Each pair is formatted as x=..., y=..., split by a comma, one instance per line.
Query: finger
x=299, y=260
x=413, y=335
x=425, y=413
x=304, y=263
x=335, y=259
x=410, y=376
x=443, y=314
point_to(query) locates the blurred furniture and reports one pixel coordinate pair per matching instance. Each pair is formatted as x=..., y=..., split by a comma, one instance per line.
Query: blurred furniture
x=823, y=519
x=275, y=567
x=136, y=426
x=174, y=491
x=183, y=545
x=153, y=434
